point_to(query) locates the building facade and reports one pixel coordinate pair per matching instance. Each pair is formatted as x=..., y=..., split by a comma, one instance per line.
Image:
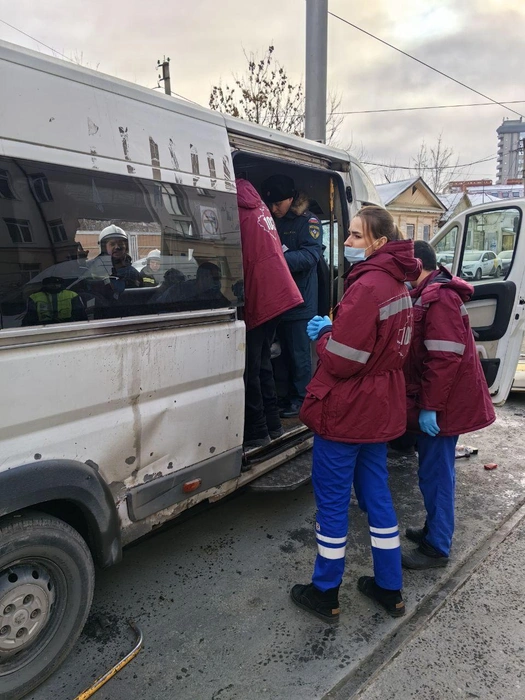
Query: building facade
x=415, y=208
x=510, y=152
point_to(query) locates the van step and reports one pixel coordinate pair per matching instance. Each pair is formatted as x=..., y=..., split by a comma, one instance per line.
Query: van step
x=287, y=477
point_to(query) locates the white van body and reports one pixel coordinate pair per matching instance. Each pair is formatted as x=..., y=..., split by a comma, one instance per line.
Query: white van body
x=117, y=421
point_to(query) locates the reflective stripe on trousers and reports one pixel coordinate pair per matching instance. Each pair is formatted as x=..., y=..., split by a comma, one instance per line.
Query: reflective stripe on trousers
x=335, y=466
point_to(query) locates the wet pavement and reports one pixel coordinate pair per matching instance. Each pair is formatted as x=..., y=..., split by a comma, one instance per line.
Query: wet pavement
x=211, y=593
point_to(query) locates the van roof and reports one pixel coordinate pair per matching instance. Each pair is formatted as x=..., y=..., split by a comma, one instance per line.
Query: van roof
x=70, y=71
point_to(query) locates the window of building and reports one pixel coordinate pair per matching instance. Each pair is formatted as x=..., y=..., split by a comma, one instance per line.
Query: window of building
x=411, y=229
x=28, y=271
x=19, y=230
x=40, y=188
x=58, y=232
x=426, y=232
x=6, y=191
x=516, y=194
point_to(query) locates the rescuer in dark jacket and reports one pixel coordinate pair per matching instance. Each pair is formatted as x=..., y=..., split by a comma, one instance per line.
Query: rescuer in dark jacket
x=300, y=234
x=151, y=275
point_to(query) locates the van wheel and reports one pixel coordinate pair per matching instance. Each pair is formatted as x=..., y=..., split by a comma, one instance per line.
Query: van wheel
x=46, y=588
x=477, y=276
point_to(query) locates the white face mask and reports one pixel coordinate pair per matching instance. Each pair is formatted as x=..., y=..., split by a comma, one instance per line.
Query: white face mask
x=354, y=255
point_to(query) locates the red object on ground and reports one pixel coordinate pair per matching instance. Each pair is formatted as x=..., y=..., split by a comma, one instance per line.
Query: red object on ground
x=490, y=466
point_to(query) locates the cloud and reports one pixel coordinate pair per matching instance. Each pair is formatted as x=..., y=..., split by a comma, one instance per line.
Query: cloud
x=477, y=41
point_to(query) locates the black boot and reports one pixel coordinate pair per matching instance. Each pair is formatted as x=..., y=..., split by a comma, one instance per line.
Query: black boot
x=416, y=534
x=423, y=557
x=322, y=604
x=392, y=601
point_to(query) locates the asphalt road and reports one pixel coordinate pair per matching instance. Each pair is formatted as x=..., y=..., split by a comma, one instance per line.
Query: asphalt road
x=211, y=593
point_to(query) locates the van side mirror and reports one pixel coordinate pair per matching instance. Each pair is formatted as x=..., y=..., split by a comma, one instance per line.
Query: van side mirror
x=349, y=195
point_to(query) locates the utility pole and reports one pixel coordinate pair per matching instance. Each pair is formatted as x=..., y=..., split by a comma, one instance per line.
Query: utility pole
x=315, y=74
x=165, y=65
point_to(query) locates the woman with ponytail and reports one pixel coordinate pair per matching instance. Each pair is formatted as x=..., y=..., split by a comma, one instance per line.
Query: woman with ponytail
x=355, y=404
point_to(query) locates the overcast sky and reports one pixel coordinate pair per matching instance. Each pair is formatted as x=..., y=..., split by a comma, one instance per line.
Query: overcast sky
x=480, y=42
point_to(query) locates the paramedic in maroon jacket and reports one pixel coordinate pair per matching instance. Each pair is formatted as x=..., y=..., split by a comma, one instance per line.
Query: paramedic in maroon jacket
x=446, y=395
x=269, y=291
x=355, y=404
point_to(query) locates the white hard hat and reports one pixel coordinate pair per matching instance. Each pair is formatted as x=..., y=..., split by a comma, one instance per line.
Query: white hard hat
x=112, y=231
x=153, y=254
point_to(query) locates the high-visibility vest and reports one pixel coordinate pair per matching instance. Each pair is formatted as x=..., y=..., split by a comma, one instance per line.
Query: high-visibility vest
x=53, y=308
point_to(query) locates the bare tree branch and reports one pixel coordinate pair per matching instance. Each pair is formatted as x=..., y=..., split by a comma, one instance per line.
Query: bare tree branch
x=265, y=95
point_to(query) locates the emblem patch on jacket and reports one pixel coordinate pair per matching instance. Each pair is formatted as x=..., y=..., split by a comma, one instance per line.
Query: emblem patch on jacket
x=315, y=231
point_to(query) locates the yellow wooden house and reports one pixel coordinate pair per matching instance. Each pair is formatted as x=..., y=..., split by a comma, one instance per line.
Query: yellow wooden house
x=415, y=208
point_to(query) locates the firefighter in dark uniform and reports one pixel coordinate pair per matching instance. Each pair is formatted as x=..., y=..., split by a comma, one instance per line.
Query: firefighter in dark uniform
x=300, y=234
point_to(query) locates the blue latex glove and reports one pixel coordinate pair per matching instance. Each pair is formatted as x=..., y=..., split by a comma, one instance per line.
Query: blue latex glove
x=315, y=324
x=428, y=422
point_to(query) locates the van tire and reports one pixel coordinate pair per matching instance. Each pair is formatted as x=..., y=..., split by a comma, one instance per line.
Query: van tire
x=48, y=563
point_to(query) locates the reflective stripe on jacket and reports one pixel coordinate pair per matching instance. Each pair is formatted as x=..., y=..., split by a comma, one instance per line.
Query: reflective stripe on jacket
x=443, y=371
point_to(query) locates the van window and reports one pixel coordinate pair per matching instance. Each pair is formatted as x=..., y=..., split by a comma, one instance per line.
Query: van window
x=490, y=244
x=53, y=269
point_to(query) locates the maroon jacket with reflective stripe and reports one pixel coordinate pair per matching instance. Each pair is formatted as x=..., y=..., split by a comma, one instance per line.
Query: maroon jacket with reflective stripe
x=269, y=288
x=443, y=371
x=358, y=391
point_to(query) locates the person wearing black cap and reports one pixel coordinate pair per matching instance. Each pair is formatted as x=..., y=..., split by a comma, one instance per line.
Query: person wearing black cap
x=300, y=234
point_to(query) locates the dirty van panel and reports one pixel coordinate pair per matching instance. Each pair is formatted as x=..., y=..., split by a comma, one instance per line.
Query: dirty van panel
x=133, y=402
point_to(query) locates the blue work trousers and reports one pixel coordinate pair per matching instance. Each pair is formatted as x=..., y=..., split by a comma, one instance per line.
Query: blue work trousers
x=295, y=351
x=437, y=481
x=335, y=466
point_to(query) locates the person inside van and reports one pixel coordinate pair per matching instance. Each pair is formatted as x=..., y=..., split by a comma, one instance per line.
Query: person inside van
x=53, y=304
x=206, y=287
x=269, y=291
x=172, y=288
x=300, y=235
x=151, y=275
x=112, y=267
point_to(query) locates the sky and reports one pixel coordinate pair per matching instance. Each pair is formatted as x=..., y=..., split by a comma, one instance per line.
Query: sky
x=479, y=42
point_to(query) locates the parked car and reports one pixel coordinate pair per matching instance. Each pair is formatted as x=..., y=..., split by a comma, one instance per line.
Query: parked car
x=506, y=258
x=480, y=263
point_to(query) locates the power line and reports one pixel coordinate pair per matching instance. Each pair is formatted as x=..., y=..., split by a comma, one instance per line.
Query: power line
x=413, y=109
x=428, y=167
x=458, y=166
x=427, y=65
x=37, y=40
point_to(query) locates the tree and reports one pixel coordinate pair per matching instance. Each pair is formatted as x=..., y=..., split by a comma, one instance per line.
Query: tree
x=265, y=95
x=437, y=164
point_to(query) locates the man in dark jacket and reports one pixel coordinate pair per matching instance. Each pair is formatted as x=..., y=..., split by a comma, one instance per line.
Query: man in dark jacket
x=300, y=234
x=269, y=291
x=446, y=395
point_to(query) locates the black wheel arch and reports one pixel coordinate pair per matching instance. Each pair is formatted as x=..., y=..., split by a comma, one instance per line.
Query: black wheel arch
x=72, y=491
